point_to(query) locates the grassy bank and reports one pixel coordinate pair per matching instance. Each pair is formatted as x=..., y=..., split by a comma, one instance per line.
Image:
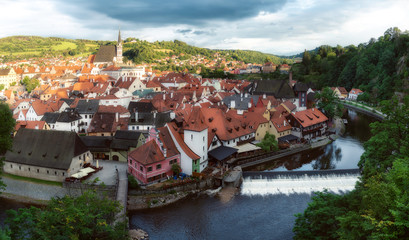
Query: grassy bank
x=33, y=180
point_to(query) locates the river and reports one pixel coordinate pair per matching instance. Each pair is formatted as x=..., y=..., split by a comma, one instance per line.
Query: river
x=247, y=215
x=255, y=216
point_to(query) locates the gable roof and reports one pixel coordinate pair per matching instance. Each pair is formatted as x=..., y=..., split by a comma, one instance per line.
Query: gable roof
x=125, y=139
x=105, y=54
x=195, y=121
x=277, y=88
x=147, y=154
x=168, y=144
x=39, y=148
x=309, y=117
x=174, y=130
x=87, y=106
x=50, y=117
x=140, y=107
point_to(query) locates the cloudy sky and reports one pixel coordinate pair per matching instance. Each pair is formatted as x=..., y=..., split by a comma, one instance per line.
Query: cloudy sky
x=281, y=27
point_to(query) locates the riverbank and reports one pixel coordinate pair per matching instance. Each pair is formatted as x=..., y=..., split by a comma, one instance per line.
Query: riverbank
x=364, y=109
x=23, y=200
x=142, y=202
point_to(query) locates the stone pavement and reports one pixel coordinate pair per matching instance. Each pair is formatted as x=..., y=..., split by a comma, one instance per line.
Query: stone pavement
x=108, y=175
x=33, y=190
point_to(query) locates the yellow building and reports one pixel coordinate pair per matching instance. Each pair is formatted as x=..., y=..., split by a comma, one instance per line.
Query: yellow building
x=7, y=77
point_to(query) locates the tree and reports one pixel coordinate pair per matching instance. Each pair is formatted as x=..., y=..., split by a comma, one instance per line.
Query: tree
x=6, y=129
x=269, y=143
x=88, y=216
x=319, y=219
x=390, y=138
x=176, y=169
x=378, y=207
x=1, y=87
x=30, y=84
x=306, y=61
x=328, y=102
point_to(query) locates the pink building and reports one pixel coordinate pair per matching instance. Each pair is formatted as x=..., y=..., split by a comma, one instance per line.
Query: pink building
x=153, y=161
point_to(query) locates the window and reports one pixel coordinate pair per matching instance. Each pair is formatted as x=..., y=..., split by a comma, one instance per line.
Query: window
x=19, y=167
x=55, y=172
x=11, y=165
x=48, y=172
x=130, y=161
x=149, y=169
x=141, y=168
x=203, y=139
x=159, y=166
x=38, y=170
x=63, y=173
x=191, y=137
x=29, y=169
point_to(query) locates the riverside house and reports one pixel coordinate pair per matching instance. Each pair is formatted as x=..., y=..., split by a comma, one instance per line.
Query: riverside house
x=153, y=161
x=308, y=124
x=47, y=155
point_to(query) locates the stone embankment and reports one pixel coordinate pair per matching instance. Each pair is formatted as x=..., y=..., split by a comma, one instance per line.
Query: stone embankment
x=365, y=109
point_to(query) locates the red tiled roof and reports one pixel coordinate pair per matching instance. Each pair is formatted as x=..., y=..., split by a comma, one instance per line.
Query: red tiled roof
x=112, y=109
x=195, y=121
x=147, y=154
x=175, y=133
x=168, y=144
x=310, y=117
x=29, y=125
x=281, y=124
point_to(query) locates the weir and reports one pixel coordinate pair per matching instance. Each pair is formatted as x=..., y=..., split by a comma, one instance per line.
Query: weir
x=299, y=182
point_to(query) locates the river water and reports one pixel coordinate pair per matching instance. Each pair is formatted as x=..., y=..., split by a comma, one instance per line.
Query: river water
x=250, y=214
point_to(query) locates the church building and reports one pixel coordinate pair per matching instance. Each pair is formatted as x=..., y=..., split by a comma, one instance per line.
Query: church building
x=109, y=54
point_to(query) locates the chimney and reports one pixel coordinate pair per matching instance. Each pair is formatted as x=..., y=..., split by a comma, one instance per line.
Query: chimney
x=164, y=96
x=264, y=96
x=232, y=104
x=36, y=127
x=116, y=117
x=164, y=152
x=285, y=123
x=249, y=105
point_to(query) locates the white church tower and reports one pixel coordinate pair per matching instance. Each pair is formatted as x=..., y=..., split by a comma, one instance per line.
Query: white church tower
x=119, y=49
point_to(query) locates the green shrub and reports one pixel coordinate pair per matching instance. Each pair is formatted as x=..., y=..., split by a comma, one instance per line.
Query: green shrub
x=133, y=183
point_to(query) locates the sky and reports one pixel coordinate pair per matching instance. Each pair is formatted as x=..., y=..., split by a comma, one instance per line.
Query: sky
x=280, y=27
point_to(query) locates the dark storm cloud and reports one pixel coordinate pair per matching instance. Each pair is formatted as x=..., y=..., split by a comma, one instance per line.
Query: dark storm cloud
x=183, y=31
x=159, y=13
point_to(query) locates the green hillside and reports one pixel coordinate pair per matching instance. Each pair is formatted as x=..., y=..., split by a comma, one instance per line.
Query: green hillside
x=17, y=47
x=141, y=51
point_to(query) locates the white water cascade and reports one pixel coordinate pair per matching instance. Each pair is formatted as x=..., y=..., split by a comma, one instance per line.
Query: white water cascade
x=298, y=182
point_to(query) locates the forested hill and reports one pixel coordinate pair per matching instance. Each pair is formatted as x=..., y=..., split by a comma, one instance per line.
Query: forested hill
x=18, y=47
x=139, y=51
x=143, y=51
x=379, y=67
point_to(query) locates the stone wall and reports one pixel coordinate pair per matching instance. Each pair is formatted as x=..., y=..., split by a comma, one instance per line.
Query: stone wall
x=197, y=185
x=48, y=174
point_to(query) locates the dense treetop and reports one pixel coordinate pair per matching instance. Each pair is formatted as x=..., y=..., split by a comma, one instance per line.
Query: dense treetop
x=379, y=67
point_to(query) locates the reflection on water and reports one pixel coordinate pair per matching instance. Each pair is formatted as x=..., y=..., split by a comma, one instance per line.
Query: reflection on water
x=244, y=217
x=344, y=153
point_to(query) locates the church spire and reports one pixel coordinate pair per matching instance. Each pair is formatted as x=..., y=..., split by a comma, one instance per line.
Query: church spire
x=119, y=37
x=119, y=57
